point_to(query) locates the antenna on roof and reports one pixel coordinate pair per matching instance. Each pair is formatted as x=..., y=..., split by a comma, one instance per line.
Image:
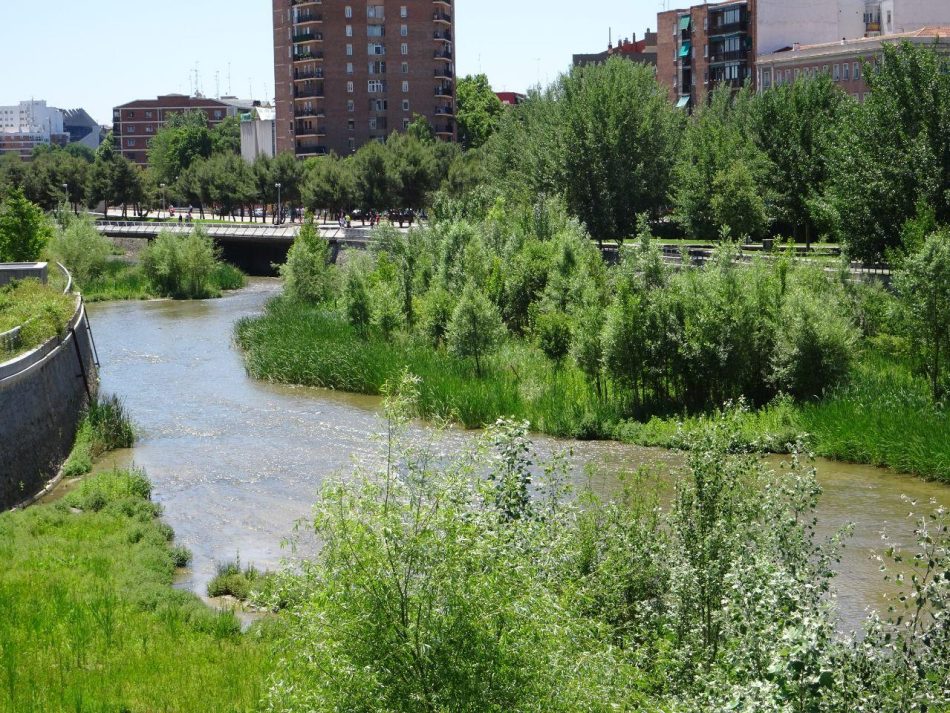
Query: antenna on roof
x=217, y=84
x=229, y=77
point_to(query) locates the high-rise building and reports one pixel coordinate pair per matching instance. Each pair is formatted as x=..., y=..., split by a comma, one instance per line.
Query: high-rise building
x=29, y=124
x=350, y=72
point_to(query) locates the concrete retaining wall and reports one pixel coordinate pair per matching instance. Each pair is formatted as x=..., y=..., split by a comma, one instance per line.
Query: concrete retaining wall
x=42, y=396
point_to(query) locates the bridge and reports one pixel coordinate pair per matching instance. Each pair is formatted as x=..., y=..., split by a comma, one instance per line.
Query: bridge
x=255, y=248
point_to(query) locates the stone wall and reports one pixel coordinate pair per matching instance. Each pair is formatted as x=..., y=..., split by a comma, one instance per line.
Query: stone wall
x=42, y=397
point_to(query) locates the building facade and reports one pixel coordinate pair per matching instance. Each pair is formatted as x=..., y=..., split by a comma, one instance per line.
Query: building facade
x=135, y=123
x=29, y=124
x=258, y=133
x=642, y=51
x=845, y=61
x=705, y=46
x=351, y=72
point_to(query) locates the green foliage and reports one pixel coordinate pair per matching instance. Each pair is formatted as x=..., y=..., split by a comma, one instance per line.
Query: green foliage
x=231, y=580
x=923, y=284
x=554, y=335
x=184, y=139
x=329, y=185
x=616, y=117
x=41, y=312
x=477, y=110
x=882, y=175
x=307, y=275
x=475, y=328
x=81, y=248
x=24, y=230
x=110, y=632
x=105, y=427
x=356, y=300
x=411, y=169
x=181, y=266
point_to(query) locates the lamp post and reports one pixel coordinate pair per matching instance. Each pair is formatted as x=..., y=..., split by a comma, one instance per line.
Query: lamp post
x=162, y=186
x=280, y=215
x=66, y=191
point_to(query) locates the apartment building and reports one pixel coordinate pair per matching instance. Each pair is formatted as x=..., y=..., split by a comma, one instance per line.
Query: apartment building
x=703, y=46
x=135, y=123
x=29, y=124
x=348, y=72
x=642, y=51
x=845, y=61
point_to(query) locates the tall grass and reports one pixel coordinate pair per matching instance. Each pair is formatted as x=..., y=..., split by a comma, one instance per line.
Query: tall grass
x=314, y=346
x=127, y=281
x=90, y=621
x=41, y=311
x=105, y=427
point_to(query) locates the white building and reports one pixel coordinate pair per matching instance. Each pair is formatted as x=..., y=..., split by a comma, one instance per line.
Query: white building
x=259, y=133
x=783, y=23
x=31, y=117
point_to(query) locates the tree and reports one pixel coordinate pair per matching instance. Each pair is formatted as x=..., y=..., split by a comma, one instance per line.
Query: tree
x=477, y=110
x=81, y=247
x=12, y=173
x=374, y=187
x=226, y=137
x=230, y=182
x=475, y=329
x=923, y=284
x=554, y=335
x=289, y=173
x=184, y=139
x=411, y=168
x=719, y=153
x=24, y=229
x=798, y=126
x=895, y=153
x=619, y=144
x=329, y=185
x=307, y=273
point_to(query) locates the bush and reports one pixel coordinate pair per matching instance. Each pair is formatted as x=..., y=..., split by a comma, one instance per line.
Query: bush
x=181, y=266
x=80, y=247
x=476, y=328
x=553, y=331
x=307, y=273
x=231, y=580
x=24, y=229
x=814, y=346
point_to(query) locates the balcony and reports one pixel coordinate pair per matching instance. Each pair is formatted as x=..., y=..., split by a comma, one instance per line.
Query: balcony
x=303, y=130
x=305, y=93
x=440, y=16
x=445, y=110
x=444, y=90
x=308, y=148
x=727, y=29
x=445, y=35
x=732, y=56
x=307, y=37
x=305, y=55
x=304, y=113
x=301, y=75
x=443, y=73
x=298, y=3
x=444, y=129
x=445, y=54
x=302, y=18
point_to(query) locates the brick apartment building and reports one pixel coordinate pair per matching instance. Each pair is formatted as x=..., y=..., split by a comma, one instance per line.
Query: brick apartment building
x=844, y=61
x=134, y=124
x=350, y=72
x=705, y=46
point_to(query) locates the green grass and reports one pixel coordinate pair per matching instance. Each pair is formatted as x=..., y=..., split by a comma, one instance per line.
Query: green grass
x=41, y=310
x=296, y=344
x=105, y=427
x=883, y=416
x=233, y=580
x=126, y=281
x=90, y=621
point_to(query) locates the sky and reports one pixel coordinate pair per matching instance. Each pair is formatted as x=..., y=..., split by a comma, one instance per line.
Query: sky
x=97, y=55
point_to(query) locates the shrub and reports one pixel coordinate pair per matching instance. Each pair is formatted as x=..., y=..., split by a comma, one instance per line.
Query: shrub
x=24, y=229
x=476, y=328
x=232, y=580
x=435, y=312
x=181, y=266
x=80, y=247
x=307, y=273
x=553, y=331
x=356, y=304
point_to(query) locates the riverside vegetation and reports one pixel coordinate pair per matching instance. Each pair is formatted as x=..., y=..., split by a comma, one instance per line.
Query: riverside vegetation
x=518, y=315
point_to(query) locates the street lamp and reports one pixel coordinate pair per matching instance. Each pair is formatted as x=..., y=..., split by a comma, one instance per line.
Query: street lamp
x=162, y=186
x=280, y=215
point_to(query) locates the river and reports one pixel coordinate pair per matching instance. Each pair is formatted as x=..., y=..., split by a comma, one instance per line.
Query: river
x=236, y=462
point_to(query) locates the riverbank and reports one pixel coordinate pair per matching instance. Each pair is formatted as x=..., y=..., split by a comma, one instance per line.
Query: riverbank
x=91, y=620
x=120, y=280
x=882, y=416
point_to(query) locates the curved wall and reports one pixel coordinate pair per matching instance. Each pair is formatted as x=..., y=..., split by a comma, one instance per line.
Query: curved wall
x=42, y=397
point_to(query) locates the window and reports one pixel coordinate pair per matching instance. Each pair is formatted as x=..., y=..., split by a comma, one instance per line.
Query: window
x=375, y=30
x=404, y=30
x=788, y=76
x=352, y=142
x=825, y=69
x=375, y=48
x=218, y=114
x=349, y=30
x=348, y=12
x=857, y=71
x=349, y=50
x=405, y=124
x=148, y=115
x=350, y=106
x=374, y=86
x=372, y=123
x=349, y=87
x=846, y=72
x=351, y=124
x=377, y=67
x=349, y=68
x=376, y=12
x=404, y=48
x=405, y=105
x=130, y=142
x=404, y=68
x=403, y=11
x=798, y=73
x=836, y=72
x=378, y=105
x=405, y=86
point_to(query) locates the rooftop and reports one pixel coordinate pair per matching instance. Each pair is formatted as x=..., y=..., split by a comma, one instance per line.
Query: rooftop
x=935, y=33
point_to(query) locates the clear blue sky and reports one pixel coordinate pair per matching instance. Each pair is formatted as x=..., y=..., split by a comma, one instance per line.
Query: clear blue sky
x=102, y=53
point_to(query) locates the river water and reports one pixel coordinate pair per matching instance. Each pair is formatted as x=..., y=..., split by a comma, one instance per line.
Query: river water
x=236, y=462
